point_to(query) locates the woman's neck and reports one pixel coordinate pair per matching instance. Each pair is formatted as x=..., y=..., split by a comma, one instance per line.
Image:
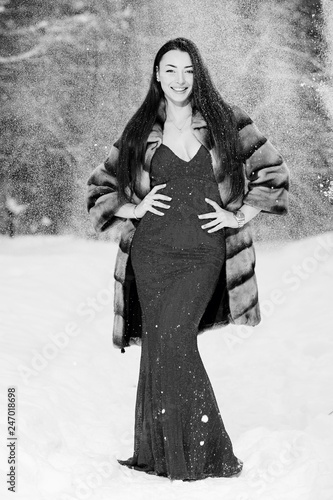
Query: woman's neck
x=176, y=113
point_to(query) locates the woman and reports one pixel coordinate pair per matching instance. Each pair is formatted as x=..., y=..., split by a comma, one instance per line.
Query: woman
x=185, y=178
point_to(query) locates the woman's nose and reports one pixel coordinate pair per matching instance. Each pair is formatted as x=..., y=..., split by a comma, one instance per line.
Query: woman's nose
x=181, y=77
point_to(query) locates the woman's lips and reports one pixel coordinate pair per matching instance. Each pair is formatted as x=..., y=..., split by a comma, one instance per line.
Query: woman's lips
x=179, y=90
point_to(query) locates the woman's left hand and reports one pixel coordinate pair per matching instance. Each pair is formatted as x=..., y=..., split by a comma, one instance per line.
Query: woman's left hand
x=222, y=218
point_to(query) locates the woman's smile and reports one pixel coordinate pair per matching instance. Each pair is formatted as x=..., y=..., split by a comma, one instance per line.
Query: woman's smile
x=179, y=90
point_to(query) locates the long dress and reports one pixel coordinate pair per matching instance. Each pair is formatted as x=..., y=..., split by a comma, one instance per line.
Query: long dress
x=179, y=432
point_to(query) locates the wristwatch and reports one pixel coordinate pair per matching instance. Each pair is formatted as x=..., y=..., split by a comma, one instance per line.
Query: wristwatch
x=240, y=218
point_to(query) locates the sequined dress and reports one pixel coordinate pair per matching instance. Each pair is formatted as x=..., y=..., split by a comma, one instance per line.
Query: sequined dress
x=179, y=432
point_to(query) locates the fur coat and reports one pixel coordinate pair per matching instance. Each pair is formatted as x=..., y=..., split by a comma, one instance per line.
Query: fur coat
x=235, y=299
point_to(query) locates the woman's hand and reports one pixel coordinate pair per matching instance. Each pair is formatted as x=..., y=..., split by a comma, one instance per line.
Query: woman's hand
x=151, y=200
x=222, y=218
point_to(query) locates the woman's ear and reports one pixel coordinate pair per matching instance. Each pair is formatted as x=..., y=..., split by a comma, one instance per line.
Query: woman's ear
x=157, y=74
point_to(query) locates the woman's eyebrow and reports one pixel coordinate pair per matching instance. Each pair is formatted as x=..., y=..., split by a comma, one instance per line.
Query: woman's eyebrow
x=173, y=66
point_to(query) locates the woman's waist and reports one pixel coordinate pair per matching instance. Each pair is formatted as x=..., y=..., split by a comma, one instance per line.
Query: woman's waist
x=184, y=207
x=190, y=191
x=178, y=226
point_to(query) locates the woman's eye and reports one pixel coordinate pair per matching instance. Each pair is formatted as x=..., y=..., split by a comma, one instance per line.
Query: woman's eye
x=169, y=70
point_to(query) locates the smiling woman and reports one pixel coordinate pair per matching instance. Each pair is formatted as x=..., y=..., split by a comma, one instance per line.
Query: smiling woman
x=185, y=151
x=176, y=76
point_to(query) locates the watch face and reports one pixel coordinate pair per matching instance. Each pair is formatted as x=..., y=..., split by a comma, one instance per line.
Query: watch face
x=240, y=216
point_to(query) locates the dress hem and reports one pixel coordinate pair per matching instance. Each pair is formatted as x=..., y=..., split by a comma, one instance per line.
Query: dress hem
x=130, y=463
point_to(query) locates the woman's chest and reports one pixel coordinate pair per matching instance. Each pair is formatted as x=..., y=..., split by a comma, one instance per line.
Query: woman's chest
x=182, y=142
x=167, y=166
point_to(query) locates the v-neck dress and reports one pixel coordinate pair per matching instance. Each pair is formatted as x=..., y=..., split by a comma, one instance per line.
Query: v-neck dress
x=179, y=432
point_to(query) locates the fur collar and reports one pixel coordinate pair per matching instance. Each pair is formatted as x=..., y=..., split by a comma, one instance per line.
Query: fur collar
x=198, y=125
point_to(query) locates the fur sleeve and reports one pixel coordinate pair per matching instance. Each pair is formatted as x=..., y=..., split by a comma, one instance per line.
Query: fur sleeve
x=265, y=169
x=102, y=194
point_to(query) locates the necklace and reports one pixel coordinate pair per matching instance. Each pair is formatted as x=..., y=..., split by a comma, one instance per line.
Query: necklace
x=180, y=129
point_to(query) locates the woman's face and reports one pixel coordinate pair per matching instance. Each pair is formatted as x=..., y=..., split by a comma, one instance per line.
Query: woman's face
x=175, y=73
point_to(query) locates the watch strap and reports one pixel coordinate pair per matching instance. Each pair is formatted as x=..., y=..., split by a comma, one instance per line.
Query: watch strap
x=240, y=218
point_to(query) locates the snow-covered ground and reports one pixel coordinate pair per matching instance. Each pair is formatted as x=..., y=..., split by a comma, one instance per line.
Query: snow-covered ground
x=75, y=393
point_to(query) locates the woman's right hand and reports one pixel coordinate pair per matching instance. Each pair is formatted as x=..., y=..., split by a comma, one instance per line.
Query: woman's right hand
x=151, y=200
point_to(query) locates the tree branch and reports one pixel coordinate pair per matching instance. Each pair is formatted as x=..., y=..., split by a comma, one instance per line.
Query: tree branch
x=36, y=51
x=303, y=55
x=24, y=30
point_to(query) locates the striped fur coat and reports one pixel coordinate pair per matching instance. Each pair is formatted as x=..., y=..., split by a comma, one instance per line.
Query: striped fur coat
x=235, y=299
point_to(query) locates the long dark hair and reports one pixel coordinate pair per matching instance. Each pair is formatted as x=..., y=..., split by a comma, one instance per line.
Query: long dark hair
x=204, y=99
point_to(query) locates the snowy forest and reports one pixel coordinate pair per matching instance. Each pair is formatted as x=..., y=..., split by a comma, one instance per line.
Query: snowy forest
x=74, y=71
